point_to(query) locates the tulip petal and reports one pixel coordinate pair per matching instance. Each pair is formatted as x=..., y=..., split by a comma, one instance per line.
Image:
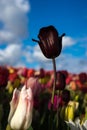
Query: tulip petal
x=29, y=109
x=72, y=125
x=13, y=103
x=19, y=115
x=85, y=125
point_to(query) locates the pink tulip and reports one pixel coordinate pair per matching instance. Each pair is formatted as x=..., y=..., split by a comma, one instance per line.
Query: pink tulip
x=34, y=84
x=21, y=107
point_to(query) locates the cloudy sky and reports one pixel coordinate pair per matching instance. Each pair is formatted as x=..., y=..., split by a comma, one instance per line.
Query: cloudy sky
x=20, y=21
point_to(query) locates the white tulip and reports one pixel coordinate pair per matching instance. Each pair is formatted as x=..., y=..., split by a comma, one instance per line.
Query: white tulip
x=76, y=125
x=21, y=107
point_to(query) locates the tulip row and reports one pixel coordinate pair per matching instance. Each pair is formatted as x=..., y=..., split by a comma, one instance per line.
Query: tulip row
x=34, y=91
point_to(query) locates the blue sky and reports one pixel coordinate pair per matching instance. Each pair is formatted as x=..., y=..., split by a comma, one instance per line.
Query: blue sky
x=20, y=21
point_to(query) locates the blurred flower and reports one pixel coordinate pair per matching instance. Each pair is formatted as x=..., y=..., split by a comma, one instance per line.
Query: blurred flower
x=70, y=110
x=22, y=80
x=83, y=77
x=84, y=88
x=11, y=69
x=56, y=103
x=34, y=84
x=51, y=80
x=16, y=83
x=76, y=125
x=45, y=78
x=22, y=72
x=60, y=81
x=69, y=113
x=66, y=96
x=21, y=106
x=50, y=43
x=79, y=84
x=73, y=85
x=13, y=77
x=30, y=73
x=40, y=73
x=73, y=104
x=75, y=77
x=68, y=79
x=65, y=73
x=4, y=73
x=9, y=87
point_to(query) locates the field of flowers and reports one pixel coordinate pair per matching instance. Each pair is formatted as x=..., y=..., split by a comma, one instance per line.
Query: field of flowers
x=69, y=104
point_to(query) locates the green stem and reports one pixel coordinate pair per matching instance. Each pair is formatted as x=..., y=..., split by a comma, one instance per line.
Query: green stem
x=54, y=68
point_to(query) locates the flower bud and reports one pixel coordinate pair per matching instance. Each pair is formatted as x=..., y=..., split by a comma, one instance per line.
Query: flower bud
x=21, y=107
x=50, y=43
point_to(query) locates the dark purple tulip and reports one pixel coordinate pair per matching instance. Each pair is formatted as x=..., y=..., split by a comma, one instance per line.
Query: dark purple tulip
x=50, y=43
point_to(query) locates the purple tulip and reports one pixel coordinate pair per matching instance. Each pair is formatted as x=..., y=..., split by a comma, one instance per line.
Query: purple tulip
x=50, y=43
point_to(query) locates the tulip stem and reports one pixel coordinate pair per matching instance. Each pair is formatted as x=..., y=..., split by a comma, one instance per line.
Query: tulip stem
x=54, y=68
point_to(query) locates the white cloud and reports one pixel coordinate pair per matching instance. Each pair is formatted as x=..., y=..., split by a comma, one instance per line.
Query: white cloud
x=11, y=54
x=68, y=41
x=13, y=15
x=64, y=61
x=6, y=36
x=14, y=22
x=38, y=54
x=23, y=5
x=14, y=27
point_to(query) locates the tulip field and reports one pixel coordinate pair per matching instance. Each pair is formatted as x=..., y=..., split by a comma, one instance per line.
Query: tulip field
x=26, y=103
